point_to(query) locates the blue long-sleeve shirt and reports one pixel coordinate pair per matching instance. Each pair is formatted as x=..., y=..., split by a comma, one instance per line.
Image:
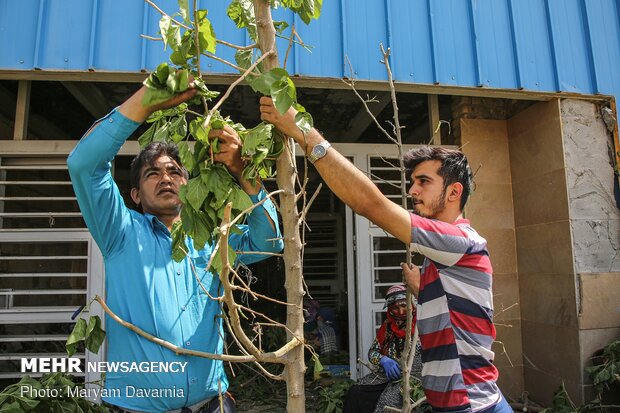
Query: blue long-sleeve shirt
x=145, y=287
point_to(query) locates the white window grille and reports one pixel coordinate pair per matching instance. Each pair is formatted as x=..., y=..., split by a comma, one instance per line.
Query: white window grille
x=49, y=263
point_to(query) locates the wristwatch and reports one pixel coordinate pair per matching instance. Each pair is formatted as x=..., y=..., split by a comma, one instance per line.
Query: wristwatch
x=319, y=151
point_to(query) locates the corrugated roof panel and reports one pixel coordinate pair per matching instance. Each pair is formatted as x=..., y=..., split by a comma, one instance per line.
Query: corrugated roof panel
x=571, y=49
x=412, y=46
x=17, y=41
x=365, y=27
x=117, y=44
x=603, y=22
x=495, y=45
x=453, y=40
x=543, y=45
x=325, y=34
x=64, y=35
x=533, y=45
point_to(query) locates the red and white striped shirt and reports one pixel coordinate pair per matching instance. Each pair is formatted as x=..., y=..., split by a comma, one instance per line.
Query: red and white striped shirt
x=455, y=316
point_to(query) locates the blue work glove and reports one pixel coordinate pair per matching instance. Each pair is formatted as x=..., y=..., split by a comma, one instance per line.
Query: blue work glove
x=391, y=368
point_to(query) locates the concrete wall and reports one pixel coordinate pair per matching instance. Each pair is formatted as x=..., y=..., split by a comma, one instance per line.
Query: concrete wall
x=595, y=226
x=490, y=209
x=547, y=282
x=545, y=202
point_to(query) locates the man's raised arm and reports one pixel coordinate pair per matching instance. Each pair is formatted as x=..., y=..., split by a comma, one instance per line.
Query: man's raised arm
x=349, y=184
x=89, y=166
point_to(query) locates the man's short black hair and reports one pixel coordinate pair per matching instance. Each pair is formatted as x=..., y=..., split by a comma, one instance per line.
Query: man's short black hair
x=454, y=167
x=149, y=155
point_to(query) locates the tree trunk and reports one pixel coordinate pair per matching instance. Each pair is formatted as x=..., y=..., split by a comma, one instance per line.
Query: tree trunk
x=295, y=367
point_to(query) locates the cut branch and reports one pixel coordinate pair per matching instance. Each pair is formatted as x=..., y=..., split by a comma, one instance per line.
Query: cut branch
x=163, y=13
x=234, y=46
x=233, y=85
x=226, y=62
x=176, y=349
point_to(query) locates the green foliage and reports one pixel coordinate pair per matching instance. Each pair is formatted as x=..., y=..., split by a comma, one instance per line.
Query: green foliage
x=241, y=12
x=608, y=373
x=331, y=399
x=14, y=400
x=561, y=402
x=91, y=334
x=166, y=81
x=306, y=9
x=417, y=392
x=261, y=151
x=211, y=186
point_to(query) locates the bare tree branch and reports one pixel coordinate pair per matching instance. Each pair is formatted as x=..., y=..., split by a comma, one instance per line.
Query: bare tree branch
x=163, y=13
x=233, y=85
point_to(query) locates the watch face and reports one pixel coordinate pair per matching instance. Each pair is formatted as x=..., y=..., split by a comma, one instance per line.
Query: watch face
x=319, y=151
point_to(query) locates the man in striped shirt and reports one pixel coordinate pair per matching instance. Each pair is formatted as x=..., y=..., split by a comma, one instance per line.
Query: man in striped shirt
x=455, y=307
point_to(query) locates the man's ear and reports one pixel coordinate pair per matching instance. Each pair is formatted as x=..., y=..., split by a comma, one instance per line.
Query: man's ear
x=135, y=195
x=456, y=190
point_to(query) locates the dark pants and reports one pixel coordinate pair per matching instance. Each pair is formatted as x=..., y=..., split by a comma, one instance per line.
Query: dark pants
x=212, y=407
x=362, y=398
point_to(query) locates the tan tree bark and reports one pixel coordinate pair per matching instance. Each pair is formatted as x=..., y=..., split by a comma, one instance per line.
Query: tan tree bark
x=286, y=173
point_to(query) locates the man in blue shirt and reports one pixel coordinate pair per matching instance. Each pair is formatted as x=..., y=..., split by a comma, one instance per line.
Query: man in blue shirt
x=144, y=285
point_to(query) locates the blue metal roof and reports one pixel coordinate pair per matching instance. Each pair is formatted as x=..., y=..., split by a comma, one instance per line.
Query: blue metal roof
x=540, y=45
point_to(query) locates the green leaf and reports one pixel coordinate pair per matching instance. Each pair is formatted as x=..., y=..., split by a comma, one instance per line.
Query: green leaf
x=94, y=334
x=198, y=131
x=262, y=83
x=235, y=13
x=206, y=34
x=198, y=226
x=178, y=129
x=28, y=404
x=218, y=180
x=162, y=133
x=196, y=192
x=182, y=80
x=200, y=152
x=178, y=242
x=30, y=382
x=217, y=121
x=280, y=26
x=170, y=32
x=216, y=264
x=241, y=12
x=12, y=408
x=240, y=199
x=161, y=73
x=187, y=157
x=78, y=334
x=304, y=121
x=185, y=51
x=155, y=96
x=65, y=406
x=318, y=367
x=256, y=139
x=147, y=137
x=178, y=81
x=283, y=94
x=184, y=11
x=307, y=10
x=244, y=58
